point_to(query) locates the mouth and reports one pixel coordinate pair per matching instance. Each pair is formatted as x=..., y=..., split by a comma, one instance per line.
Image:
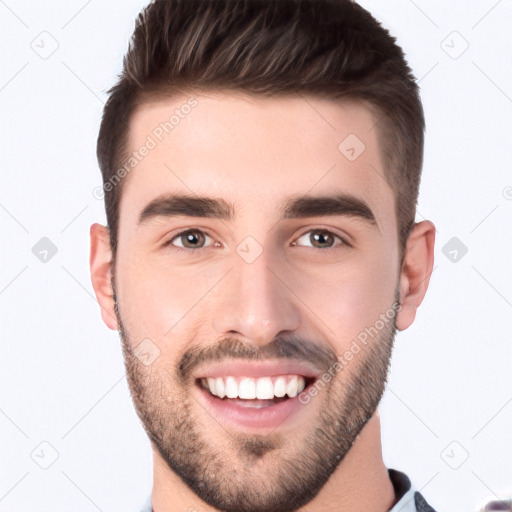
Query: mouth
x=255, y=392
x=262, y=403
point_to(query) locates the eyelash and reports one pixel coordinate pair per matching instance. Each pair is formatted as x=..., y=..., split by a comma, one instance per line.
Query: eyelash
x=196, y=252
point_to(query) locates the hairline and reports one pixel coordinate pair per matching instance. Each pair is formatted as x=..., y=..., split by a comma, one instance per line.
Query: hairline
x=163, y=93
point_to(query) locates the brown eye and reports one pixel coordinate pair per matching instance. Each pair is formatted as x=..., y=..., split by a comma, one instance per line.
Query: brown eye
x=320, y=239
x=191, y=239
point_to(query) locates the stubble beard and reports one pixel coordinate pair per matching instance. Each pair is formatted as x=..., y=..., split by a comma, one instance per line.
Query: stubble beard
x=256, y=473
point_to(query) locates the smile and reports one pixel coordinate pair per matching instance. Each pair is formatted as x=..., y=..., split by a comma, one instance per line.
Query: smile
x=262, y=388
x=255, y=396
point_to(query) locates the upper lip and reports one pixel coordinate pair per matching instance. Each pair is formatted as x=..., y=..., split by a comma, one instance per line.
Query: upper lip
x=256, y=369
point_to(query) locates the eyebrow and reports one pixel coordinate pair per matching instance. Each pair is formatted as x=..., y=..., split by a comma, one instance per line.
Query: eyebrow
x=171, y=205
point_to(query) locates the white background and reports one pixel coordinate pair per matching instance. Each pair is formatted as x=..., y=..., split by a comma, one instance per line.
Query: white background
x=447, y=413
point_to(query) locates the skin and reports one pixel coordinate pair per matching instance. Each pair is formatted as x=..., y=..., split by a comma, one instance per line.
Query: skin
x=255, y=153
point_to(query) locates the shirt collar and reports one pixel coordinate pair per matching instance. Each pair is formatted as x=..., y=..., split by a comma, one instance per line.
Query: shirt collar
x=404, y=491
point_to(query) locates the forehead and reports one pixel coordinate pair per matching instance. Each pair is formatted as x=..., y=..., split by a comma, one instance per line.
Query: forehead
x=254, y=151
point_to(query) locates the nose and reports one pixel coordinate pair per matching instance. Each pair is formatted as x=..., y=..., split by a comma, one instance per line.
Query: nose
x=256, y=301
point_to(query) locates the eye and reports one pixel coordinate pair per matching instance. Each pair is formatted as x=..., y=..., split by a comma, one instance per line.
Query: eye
x=321, y=239
x=189, y=239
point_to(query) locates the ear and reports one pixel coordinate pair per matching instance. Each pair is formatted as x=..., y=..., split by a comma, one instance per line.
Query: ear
x=416, y=270
x=100, y=263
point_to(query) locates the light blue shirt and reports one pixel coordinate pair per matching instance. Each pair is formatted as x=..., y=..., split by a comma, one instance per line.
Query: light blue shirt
x=401, y=484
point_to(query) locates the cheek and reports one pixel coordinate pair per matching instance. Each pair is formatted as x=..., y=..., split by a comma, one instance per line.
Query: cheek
x=158, y=300
x=349, y=298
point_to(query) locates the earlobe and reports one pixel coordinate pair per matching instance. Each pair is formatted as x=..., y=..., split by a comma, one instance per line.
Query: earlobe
x=100, y=263
x=416, y=271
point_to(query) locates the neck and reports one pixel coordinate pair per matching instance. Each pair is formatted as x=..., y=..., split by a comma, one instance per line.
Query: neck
x=360, y=483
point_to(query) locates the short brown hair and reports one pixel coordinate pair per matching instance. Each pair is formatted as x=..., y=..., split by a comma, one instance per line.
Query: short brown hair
x=328, y=48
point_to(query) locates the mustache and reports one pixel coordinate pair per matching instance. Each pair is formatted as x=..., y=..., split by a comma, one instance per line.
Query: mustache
x=289, y=348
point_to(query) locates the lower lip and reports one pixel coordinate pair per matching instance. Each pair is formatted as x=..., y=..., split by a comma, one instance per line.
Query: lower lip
x=264, y=418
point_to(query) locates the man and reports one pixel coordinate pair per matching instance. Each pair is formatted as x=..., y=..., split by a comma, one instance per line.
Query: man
x=261, y=163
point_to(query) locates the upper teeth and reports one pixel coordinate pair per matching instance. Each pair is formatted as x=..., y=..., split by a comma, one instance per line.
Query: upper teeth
x=263, y=388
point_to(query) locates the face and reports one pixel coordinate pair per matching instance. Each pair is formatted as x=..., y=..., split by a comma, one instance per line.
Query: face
x=257, y=246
